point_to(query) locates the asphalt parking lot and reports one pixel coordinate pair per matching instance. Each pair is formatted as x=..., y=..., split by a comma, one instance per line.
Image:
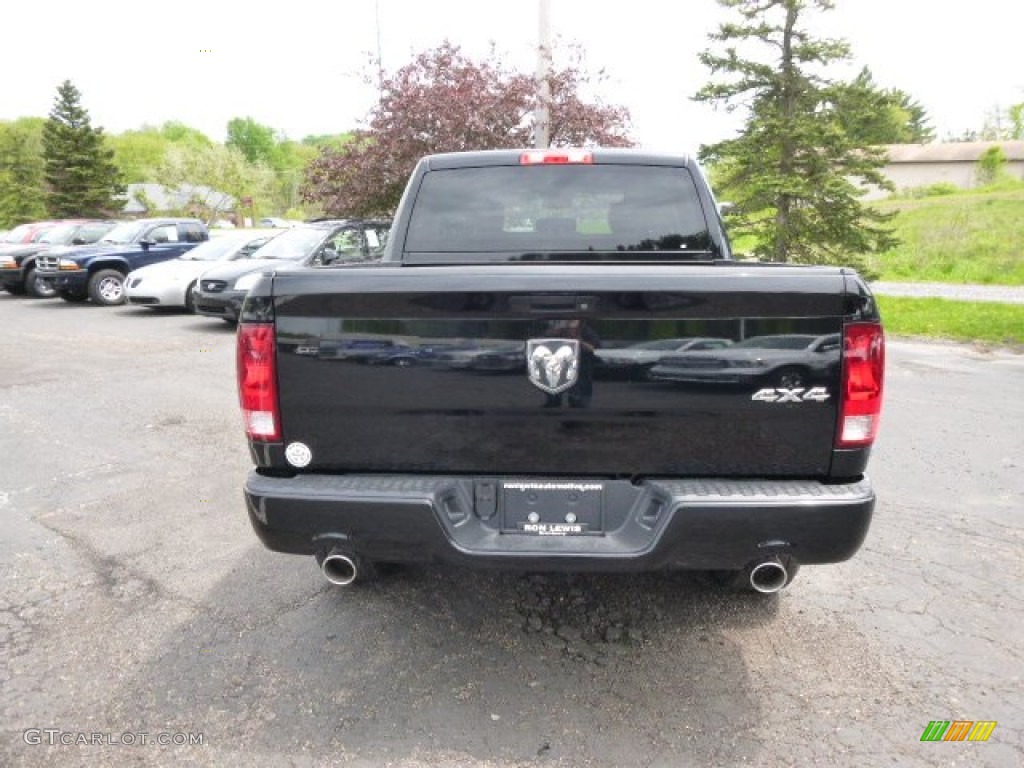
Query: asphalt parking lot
x=137, y=605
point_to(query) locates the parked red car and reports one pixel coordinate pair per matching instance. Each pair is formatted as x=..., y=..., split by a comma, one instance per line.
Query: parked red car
x=27, y=233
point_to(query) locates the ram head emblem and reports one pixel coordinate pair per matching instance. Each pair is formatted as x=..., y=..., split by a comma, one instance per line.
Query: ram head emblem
x=553, y=363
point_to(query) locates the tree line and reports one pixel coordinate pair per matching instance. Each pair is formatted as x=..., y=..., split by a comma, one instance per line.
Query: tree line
x=794, y=170
x=64, y=167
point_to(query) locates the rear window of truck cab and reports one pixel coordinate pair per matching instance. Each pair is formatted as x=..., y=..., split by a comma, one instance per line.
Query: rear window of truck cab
x=524, y=212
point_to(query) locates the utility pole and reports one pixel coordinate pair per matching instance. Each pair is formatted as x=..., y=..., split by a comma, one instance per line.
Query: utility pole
x=380, y=55
x=542, y=115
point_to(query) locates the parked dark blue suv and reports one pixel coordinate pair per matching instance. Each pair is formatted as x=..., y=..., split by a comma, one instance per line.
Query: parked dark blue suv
x=97, y=271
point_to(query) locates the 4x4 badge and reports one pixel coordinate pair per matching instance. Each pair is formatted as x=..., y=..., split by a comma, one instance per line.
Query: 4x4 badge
x=553, y=364
x=797, y=395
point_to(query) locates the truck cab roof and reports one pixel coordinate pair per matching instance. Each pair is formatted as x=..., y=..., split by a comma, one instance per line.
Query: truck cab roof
x=555, y=156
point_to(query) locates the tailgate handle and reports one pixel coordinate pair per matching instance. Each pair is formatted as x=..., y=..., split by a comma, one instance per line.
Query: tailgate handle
x=548, y=304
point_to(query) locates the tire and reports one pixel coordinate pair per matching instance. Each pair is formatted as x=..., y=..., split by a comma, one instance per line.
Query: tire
x=36, y=288
x=106, y=288
x=73, y=297
x=14, y=289
x=190, y=301
x=790, y=377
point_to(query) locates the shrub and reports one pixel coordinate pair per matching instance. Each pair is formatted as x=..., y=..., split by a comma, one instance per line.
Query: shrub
x=991, y=165
x=940, y=188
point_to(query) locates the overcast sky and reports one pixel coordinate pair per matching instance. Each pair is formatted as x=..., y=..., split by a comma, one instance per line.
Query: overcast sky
x=298, y=66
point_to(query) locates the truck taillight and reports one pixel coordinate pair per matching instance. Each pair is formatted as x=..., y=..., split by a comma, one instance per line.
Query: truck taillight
x=556, y=157
x=257, y=381
x=863, y=375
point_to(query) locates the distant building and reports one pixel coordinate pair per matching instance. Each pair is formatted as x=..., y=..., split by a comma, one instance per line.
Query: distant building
x=921, y=165
x=143, y=200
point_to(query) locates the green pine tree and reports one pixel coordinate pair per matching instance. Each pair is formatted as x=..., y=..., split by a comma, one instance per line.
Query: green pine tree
x=872, y=115
x=793, y=171
x=21, y=173
x=81, y=176
x=921, y=131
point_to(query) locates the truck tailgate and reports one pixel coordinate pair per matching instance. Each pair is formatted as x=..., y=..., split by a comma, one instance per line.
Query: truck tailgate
x=680, y=370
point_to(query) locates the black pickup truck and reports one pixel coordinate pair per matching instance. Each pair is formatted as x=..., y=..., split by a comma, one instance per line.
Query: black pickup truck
x=495, y=444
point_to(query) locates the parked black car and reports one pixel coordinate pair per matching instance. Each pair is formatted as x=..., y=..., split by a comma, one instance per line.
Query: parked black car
x=221, y=290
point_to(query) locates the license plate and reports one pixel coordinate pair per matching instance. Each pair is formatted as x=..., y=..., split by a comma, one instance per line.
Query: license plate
x=552, y=507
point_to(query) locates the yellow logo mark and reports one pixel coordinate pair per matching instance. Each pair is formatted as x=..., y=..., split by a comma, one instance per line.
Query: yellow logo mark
x=982, y=730
x=959, y=730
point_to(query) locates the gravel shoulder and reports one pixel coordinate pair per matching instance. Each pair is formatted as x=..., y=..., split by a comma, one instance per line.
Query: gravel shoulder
x=1004, y=294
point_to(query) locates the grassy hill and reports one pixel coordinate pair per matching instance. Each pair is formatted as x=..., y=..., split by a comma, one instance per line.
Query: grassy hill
x=951, y=236
x=969, y=236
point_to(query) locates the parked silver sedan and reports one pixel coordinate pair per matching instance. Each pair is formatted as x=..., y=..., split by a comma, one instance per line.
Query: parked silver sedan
x=635, y=361
x=789, y=361
x=170, y=283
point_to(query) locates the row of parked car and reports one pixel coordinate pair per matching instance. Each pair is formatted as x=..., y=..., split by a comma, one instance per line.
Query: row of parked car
x=171, y=262
x=787, y=361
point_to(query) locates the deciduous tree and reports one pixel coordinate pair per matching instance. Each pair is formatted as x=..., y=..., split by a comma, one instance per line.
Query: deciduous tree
x=81, y=177
x=265, y=147
x=224, y=170
x=1004, y=124
x=292, y=160
x=256, y=141
x=179, y=133
x=139, y=153
x=444, y=101
x=21, y=172
x=793, y=170
x=333, y=140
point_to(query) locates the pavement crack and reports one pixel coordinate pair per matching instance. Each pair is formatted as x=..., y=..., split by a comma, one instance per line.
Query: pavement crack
x=118, y=579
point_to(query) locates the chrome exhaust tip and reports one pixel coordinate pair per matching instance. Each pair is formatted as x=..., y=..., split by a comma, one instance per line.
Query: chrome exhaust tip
x=339, y=569
x=768, y=576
